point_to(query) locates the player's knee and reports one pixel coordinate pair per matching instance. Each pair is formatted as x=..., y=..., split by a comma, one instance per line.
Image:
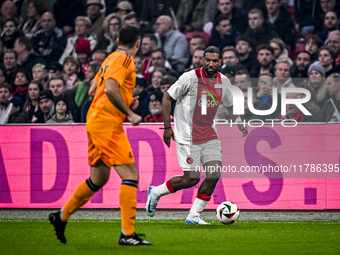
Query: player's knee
x=191, y=182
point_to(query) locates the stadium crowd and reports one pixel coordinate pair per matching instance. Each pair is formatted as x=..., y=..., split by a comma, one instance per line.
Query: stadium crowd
x=50, y=50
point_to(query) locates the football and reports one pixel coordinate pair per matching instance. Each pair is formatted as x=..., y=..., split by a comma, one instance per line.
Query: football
x=227, y=212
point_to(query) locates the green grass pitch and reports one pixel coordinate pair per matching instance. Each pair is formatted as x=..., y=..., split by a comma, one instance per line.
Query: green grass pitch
x=173, y=237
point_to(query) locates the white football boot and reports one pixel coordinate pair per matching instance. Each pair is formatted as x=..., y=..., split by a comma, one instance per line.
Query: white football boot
x=151, y=202
x=195, y=219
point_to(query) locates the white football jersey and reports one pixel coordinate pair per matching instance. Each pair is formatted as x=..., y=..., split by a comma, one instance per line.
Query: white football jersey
x=191, y=126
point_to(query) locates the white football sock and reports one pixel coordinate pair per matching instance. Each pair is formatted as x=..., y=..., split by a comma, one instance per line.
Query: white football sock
x=198, y=206
x=161, y=190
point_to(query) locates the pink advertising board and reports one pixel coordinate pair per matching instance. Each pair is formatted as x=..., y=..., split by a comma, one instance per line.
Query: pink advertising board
x=41, y=166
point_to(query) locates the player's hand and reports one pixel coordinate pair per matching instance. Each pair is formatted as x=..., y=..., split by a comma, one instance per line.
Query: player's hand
x=134, y=119
x=134, y=103
x=243, y=129
x=168, y=134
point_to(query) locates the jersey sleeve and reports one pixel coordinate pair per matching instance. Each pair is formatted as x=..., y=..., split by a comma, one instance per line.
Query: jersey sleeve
x=227, y=96
x=181, y=86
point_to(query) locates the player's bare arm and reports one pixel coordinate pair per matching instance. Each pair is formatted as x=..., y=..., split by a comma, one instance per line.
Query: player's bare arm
x=93, y=88
x=168, y=132
x=134, y=103
x=113, y=93
x=240, y=126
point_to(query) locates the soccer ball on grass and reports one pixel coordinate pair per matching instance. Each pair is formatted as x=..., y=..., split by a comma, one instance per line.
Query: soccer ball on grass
x=227, y=212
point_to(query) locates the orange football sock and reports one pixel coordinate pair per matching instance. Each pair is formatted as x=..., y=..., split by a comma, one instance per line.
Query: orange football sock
x=128, y=207
x=80, y=197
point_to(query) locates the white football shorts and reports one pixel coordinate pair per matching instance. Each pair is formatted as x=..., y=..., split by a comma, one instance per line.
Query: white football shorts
x=190, y=157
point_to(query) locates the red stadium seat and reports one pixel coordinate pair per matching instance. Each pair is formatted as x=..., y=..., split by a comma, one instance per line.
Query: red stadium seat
x=191, y=34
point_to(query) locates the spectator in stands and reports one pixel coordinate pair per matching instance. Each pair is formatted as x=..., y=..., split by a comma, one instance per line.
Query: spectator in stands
x=326, y=59
x=156, y=77
x=266, y=62
x=65, y=13
x=46, y=107
x=50, y=41
x=197, y=58
x=58, y=87
x=265, y=84
x=62, y=113
x=20, y=84
x=26, y=57
x=5, y=92
x=149, y=43
x=282, y=78
x=71, y=68
x=330, y=112
x=99, y=56
x=83, y=50
x=79, y=92
x=123, y=8
x=97, y=18
x=112, y=24
x=39, y=72
x=284, y=25
x=316, y=74
x=82, y=28
x=259, y=30
x=10, y=33
x=230, y=56
x=152, y=9
x=242, y=79
x=223, y=33
x=293, y=112
x=132, y=19
x=311, y=104
x=331, y=23
x=140, y=91
x=306, y=12
x=173, y=42
x=237, y=16
x=17, y=113
x=10, y=64
x=244, y=47
x=312, y=45
x=36, y=8
x=195, y=42
x=167, y=82
x=189, y=15
x=23, y=6
x=155, y=108
x=326, y=5
x=333, y=42
x=31, y=105
x=229, y=71
x=54, y=69
x=159, y=59
x=280, y=51
x=301, y=65
x=8, y=11
x=2, y=50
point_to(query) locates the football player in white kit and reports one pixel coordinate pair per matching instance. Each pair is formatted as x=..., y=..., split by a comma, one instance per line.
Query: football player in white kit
x=194, y=132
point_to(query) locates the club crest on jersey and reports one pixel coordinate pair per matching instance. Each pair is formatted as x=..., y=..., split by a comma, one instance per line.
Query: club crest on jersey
x=189, y=160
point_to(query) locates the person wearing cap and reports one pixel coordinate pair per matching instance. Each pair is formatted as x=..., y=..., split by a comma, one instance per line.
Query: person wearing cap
x=54, y=69
x=62, y=113
x=229, y=71
x=123, y=8
x=97, y=18
x=82, y=31
x=17, y=113
x=83, y=50
x=46, y=107
x=316, y=75
x=26, y=58
x=155, y=108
